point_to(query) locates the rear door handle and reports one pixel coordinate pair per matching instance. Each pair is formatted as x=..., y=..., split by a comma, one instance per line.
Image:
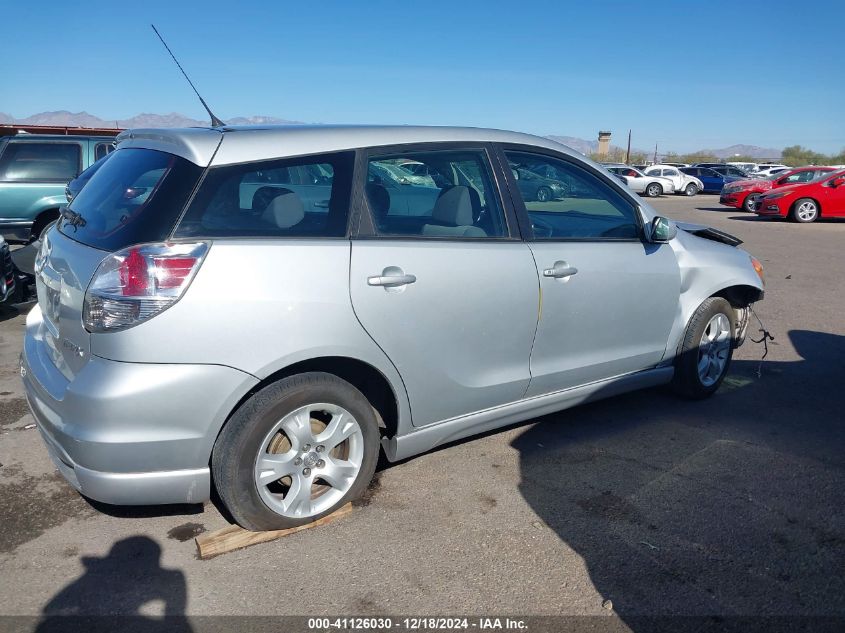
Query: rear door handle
x=391, y=281
x=560, y=270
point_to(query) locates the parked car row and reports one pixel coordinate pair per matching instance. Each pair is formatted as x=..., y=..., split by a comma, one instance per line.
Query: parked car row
x=743, y=194
x=806, y=202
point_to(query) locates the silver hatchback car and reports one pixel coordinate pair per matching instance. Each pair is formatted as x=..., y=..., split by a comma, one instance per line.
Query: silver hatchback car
x=265, y=310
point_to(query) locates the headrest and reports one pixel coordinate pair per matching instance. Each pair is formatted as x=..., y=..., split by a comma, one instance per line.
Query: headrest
x=264, y=196
x=454, y=207
x=284, y=211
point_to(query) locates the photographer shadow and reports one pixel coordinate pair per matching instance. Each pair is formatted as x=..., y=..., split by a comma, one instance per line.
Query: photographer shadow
x=113, y=591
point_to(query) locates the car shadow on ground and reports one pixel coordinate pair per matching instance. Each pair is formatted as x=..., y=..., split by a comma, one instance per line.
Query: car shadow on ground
x=717, y=209
x=124, y=582
x=727, y=507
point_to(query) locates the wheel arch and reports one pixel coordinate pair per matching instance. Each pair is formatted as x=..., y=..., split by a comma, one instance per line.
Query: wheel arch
x=797, y=200
x=364, y=376
x=740, y=295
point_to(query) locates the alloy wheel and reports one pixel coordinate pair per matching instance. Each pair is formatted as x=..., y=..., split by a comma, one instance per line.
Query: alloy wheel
x=309, y=460
x=714, y=349
x=807, y=211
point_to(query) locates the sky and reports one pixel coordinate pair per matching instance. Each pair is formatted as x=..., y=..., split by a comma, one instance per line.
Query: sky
x=685, y=75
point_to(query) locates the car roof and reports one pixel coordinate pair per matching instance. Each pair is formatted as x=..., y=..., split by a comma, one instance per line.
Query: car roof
x=56, y=137
x=254, y=143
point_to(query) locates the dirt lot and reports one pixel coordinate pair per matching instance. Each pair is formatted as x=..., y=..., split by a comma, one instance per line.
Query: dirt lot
x=732, y=506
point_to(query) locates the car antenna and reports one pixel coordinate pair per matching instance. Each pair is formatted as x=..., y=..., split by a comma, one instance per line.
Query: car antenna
x=215, y=122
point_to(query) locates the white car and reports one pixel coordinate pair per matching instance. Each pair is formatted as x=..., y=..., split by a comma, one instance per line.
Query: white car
x=764, y=171
x=684, y=183
x=651, y=186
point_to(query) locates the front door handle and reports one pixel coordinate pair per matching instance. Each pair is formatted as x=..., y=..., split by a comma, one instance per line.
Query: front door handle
x=560, y=270
x=391, y=277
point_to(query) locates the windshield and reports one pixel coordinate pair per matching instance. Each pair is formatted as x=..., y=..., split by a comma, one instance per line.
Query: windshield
x=136, y=196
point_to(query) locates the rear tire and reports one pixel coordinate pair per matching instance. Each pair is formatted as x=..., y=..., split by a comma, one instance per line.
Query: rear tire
x=804, y=211
x=286, y=429
x=653, y=190
x=706, y=351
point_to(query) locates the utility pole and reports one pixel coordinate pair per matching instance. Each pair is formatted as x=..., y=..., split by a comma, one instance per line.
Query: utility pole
x=628, y=153
x=655, y=153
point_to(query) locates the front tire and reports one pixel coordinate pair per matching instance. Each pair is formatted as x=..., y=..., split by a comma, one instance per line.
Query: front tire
x=691, y=189
x=804, y=211
x=296, y=451
x=750, y=202
x=544, y=194
x=706, y=351
x=653, y=190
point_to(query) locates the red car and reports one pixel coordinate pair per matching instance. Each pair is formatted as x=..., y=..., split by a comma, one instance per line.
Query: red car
x=805, y=203
x=742, y=194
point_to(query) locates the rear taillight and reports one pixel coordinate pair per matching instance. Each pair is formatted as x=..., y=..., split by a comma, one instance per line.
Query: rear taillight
x=138, y=283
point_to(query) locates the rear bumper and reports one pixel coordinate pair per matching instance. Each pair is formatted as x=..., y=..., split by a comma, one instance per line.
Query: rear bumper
x=130, y=433
x=15, y=230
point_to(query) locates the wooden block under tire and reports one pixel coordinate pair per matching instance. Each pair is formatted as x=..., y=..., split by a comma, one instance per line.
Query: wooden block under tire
x=234, y=537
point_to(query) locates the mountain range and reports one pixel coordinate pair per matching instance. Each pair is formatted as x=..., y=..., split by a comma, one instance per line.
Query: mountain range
x=174, y=119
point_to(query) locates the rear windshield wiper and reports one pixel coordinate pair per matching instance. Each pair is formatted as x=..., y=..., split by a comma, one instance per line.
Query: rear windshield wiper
x=72, y=218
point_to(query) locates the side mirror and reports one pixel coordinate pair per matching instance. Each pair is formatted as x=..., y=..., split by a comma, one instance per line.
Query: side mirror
x=838, y=182
x=662, y=230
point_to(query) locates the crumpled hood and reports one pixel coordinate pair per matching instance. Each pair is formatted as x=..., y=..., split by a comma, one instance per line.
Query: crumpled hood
x=709, y=233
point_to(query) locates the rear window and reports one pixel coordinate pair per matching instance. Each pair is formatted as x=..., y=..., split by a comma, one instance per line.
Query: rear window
x=40, y=162
x=136, y=196
x=299, y=197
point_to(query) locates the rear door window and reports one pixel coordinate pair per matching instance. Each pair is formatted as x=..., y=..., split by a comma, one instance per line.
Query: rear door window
x=136, y=196
x=298, y=197
x=452, y=196
x=40, y=162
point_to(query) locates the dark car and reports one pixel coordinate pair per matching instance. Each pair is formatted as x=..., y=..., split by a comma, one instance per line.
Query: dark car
x=536, y=186
x=730, y=170
x=712, y=180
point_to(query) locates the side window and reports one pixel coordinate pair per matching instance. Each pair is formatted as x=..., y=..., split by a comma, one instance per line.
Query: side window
x=583, y=206
x=298, y=197
x=102, y=149
x=670, y=172
x=50, y=162
x=448, y=193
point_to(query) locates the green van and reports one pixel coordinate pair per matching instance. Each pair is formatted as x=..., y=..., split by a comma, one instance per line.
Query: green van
x=34, y=169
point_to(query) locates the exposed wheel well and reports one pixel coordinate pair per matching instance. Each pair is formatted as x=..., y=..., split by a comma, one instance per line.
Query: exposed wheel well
x=740, y=296
x=364, y=377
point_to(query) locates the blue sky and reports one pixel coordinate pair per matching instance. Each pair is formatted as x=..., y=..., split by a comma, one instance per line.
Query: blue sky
x=687, y=75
